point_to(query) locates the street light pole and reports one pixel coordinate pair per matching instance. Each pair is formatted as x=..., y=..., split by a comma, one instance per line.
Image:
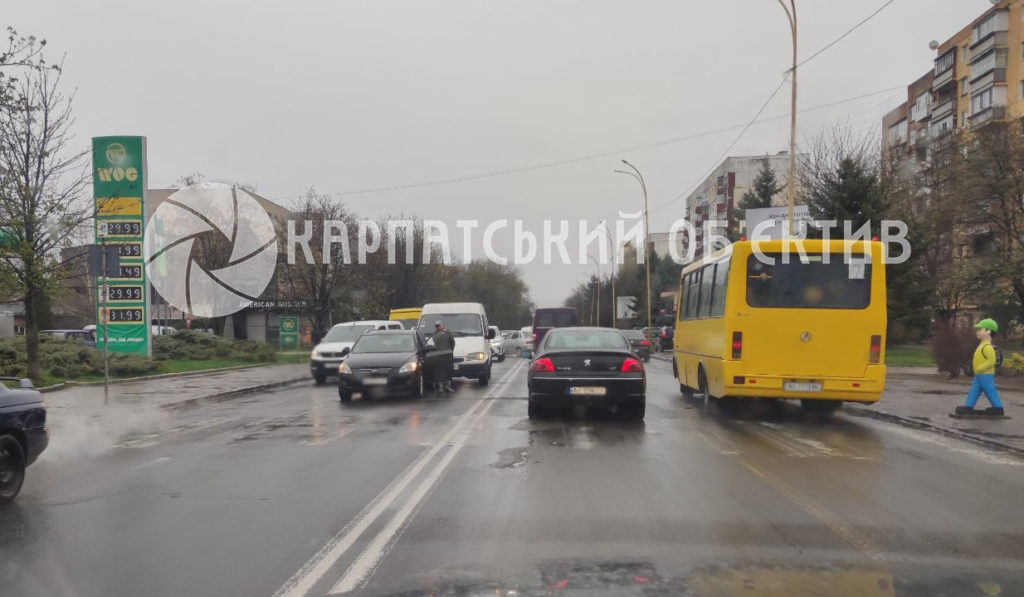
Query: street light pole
x=647, y=233
x=791, y=183
x=615, y=258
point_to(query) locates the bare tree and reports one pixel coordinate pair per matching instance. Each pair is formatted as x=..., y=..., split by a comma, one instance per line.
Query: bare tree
x=23, y=52
x=315, y=278
x=43, y=203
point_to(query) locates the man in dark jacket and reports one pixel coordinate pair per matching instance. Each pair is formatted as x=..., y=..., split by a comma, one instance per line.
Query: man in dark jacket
x=444, y=341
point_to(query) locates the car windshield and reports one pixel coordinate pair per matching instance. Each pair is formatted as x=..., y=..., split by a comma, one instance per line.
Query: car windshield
x=385, y=343
x=459, y=324
x=585, y=339
x=347, y=333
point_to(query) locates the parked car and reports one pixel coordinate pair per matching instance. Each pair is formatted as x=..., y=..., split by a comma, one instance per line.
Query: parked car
x=668, y=334
x=84, y=336
x=554, y=317
x=468, y=324
x=387, y=362
x=588, y=366
x=328, y=354
x=639, y=343
x=23, y=434
x=497, y=344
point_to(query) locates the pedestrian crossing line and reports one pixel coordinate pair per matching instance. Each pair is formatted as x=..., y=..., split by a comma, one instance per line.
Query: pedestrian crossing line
x=987, y=456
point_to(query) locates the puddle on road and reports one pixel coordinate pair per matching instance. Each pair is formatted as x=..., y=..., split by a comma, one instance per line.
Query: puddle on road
x=512, y=458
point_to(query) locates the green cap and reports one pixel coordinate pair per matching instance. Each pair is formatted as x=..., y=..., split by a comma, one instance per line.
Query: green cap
x=987, y=324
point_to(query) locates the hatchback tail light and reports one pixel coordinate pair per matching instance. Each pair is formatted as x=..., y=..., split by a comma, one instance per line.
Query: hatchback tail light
x=631, y=366
x=876, y=349
x=737, y=345
x=543, y=365
x=645, y=342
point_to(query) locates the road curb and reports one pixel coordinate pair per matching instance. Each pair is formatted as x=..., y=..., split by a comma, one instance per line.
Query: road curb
x=229, y=394
x=860, y=411
x=67, y=384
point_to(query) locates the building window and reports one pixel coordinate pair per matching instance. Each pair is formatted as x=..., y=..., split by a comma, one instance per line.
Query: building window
x=981, y=101
x=984, y=28
x=1020, y=91
x=963, y=118
x=965, y=87
x=967, y=55
x=1022, y=43
x=945, y=62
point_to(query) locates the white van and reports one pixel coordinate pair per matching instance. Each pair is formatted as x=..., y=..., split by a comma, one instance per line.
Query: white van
x=468, y=324
x=333, y=347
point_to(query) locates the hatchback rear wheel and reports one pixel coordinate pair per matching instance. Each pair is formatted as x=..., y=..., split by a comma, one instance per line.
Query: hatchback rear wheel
x=12, y=468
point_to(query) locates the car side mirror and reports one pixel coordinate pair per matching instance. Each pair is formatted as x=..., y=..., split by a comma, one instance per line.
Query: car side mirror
x=490, y=334
x=345, y=351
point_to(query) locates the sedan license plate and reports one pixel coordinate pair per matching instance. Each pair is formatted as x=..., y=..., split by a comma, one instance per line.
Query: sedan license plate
x=375, y=381
x=588, y=391
x=802, y=386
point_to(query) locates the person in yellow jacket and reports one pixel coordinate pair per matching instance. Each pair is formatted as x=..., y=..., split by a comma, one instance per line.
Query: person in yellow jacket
x=984, y=372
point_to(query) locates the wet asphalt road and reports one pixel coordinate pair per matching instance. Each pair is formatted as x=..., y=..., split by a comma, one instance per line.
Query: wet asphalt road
x=290, y=493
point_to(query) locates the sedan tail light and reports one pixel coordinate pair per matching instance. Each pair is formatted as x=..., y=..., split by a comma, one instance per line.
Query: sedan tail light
x=876, y=350
x=543, y=365
x=645, y=342
x=631, y=366
x=737, y=345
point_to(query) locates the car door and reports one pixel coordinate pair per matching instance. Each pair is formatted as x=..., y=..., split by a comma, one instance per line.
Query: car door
x=428, y=359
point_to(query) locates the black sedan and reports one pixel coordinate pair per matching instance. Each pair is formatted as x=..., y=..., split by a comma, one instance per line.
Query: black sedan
x=639, y=342
x=23, y=435
x=589, y=366
x=388, y=362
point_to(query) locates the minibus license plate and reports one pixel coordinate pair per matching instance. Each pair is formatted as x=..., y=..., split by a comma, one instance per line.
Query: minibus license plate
x=588, y=391
x=802, y=386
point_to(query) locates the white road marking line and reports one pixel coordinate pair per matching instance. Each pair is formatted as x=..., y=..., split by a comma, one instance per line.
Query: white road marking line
x=303, y=581
x=368, y=561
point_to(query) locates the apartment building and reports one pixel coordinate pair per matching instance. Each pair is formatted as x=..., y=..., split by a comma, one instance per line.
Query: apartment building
x=977, y=77
x=719, y=195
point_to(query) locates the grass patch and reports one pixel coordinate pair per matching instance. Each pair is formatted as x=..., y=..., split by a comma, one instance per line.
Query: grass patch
x=909, y=356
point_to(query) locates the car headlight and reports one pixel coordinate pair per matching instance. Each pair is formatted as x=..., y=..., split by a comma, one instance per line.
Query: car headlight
x=475, y=356
x=316, y=352
x=409, y=367
x=343, y=368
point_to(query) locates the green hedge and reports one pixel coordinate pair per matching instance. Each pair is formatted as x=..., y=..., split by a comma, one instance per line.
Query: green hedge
x=61, y=359
x=69, y=359
x=189, y=345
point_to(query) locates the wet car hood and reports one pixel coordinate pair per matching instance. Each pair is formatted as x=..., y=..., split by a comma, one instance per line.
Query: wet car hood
x=642, y=578
x=378, y=359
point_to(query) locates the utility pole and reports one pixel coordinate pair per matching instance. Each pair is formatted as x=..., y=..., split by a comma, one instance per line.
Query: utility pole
x=791, y=183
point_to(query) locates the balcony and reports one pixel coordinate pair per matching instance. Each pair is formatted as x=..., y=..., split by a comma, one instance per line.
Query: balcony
x=989, y=114
x=994, y=61
x=995, y=40
x=941, y=110
x=943, y=80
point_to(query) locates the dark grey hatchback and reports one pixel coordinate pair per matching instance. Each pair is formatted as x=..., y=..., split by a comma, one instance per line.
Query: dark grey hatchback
x=387, y=362
x=588, y=366
x=23, y=434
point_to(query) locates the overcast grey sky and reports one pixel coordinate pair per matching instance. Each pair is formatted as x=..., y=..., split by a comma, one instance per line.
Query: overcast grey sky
x=357, y=94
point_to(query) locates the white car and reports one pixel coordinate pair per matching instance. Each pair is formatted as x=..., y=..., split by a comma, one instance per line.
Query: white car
x=333, y=347
x=467, y=323
x=497, y=344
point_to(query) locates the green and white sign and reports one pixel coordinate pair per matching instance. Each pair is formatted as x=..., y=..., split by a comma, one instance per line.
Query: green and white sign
x=289, y=332
x=119, y=189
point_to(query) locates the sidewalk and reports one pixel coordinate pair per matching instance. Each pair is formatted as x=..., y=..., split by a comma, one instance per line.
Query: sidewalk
x=180, y=390
x=919, y=397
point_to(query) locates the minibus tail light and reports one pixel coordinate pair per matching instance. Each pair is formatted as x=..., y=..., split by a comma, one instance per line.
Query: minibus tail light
x=876, y=349
x=737, y=345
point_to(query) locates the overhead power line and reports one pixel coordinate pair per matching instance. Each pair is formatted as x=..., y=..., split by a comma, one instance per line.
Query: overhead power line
x=844, y=35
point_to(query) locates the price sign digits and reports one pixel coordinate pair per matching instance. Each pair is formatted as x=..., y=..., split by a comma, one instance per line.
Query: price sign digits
x=129, y=271
x=124, y=293
x=124, y=315
x=123, y=228
x=130, y=250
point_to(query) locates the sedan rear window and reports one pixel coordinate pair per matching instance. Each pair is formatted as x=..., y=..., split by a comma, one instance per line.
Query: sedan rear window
x=586, y=339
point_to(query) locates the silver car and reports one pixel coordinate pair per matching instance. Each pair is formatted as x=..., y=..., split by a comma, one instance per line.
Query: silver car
x=497, y=344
